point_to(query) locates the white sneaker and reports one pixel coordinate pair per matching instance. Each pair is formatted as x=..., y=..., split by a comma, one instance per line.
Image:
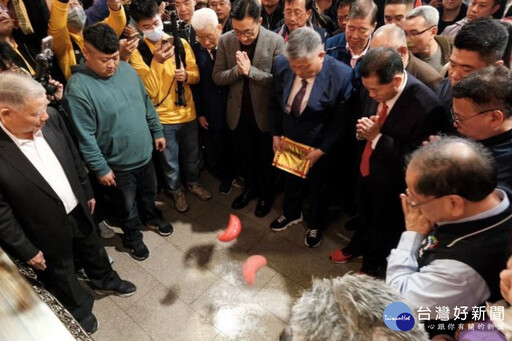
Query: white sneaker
x=105, y=231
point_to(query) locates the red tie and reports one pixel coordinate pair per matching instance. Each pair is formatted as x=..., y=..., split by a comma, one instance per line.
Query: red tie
x=367, y=153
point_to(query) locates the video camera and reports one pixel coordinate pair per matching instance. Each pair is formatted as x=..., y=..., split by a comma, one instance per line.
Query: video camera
x=44, y=64
x=167, y=23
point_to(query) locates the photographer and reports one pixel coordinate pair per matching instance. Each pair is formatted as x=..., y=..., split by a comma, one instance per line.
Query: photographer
x=155, y=63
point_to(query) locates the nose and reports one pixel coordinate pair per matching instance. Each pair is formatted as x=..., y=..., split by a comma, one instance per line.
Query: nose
x=44, y=116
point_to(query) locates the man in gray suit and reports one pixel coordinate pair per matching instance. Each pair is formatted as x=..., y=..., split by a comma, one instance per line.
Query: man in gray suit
x=244, y=63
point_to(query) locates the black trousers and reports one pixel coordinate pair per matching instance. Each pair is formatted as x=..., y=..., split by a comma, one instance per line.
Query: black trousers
x=133, y=201
x=381, y=222
x=253, y=150
x=223, y=152
x=317, y=186
x=60, y=277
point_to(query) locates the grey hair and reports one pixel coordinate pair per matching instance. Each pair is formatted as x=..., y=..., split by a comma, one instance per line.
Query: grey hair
x=16, y=89
x=394, y=34
x=429, y=13
x=204, y=18
x=303, y=42
x=348, y=308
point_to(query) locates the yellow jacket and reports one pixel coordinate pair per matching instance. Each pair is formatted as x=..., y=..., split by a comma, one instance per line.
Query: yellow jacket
x=58, y=29
x=159, y=77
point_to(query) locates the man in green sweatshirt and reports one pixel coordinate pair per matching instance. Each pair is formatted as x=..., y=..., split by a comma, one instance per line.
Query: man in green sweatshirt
x=117, y=128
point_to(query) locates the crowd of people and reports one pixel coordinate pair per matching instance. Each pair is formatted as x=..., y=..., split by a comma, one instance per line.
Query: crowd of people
x=406, y=110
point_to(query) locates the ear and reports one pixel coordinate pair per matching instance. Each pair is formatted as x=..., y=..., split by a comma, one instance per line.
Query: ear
x=434, y=31
x=5, y=113
x=397, y=80
x=497, y=118
x=308, y=12
x=495, y=9
x=260, y=20
x=219, y=27
x=402, y=51
x=456, y=205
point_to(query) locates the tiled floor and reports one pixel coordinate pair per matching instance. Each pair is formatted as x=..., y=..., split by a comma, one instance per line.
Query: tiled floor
x=191, y=287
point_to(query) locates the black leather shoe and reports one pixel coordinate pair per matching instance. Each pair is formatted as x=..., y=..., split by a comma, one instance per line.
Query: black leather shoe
x=263, y=207
x=89, y=324
x=243, y=199
x=125, y=289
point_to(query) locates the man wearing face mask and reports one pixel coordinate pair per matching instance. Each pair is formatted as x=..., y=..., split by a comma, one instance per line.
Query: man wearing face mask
x=67, y=21
x=154, y=62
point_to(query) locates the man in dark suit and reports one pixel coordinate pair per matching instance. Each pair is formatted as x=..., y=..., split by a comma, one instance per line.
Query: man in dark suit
x=244, y=63
x=46, y=200
x=210, y=99
x=398, y=113
x=311, y=95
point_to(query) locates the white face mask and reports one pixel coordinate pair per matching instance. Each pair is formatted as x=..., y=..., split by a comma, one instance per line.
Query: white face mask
x=156, y=34
x=76, y=18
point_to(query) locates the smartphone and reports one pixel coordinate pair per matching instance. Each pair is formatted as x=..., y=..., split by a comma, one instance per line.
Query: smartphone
x=46, y=43
x=169, y=40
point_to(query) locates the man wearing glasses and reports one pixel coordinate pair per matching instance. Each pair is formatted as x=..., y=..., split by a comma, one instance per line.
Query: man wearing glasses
x=458, y=227
x=482, y=109
x=297, y=14
x=422, y=39
x=244, y=63
x=478, y=44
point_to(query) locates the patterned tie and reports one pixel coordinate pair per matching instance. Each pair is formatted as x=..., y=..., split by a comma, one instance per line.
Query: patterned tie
x=367, y=153
x=297, y=101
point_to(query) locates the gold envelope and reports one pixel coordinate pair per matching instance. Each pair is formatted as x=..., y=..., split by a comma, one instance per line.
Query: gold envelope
x=291, y=157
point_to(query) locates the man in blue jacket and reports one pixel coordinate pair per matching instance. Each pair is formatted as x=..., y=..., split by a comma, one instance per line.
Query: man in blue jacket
x=311, y=91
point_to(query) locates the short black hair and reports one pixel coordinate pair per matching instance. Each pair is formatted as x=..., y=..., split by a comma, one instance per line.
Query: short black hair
x=384, y=62
x=245, y=8
x=344, y=3
x=307, y=3
x=489, y=88
x=407, y=3
x=143, y=9
x=362, y=9
x=444, y=170
x=487, y=37
x=102, y=37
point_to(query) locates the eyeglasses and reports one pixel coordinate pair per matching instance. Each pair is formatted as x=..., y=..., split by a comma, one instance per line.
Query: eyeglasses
x=416, y=33
x=456, y=121
x=414, y=204
x=247, y=33
x=297, y=14
x=209, y=37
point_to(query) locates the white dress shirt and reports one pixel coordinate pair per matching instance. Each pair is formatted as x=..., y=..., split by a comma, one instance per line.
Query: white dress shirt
x=390, y=103
x=42, y=157
x=297, y=84
x=355, y=57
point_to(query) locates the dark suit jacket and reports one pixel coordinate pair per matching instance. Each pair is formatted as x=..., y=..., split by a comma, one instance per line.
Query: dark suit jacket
x=268, y=47
x=416, y=114
x=336, y=46
x=210, y=98
x=32, y=216
x=321, y=123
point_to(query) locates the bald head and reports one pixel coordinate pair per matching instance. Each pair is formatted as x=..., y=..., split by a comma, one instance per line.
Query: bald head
x=389, y=36
x=454, y=165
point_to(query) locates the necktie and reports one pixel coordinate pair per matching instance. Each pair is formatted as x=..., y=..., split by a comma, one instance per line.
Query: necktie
x=367, y=153
x=297, y=101
x=213, y=53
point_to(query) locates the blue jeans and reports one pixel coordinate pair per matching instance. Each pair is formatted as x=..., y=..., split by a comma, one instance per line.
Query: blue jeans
x=182, y=147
